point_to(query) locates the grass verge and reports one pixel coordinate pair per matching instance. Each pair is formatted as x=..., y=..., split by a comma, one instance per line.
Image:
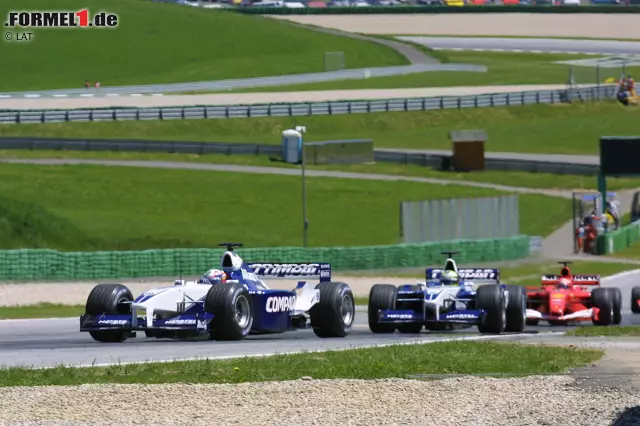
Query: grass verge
x=612, y=331
x=144, y=208
x=631, y=252
x=502, y=69
x=374, y=363
x=549, y=129
x=41, y=310
x=151, y=44
x=510, y=178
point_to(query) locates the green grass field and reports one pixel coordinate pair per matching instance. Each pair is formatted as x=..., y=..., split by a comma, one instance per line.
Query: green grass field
x=631, y=252
x=503, y=68
x=509, y=359
x=632, y=330
x=94, y=207
x=517, y=179
x=167, y=43
x=549, y=129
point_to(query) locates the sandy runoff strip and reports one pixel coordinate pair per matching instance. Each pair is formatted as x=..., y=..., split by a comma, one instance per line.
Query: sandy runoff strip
x=585, y=25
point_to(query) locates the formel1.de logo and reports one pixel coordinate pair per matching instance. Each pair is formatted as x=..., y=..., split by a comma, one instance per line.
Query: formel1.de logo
x=21, y=20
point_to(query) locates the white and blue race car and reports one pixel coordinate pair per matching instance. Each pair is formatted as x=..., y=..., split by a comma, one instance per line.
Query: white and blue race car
x=477, y=299
x=226, y=308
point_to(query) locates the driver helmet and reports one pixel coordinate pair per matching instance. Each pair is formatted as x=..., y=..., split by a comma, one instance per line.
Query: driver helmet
x=449, y=278
x=213, y=276
x=564, y=283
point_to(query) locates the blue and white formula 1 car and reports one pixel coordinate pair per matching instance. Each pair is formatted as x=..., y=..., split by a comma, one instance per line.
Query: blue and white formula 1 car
x=475, y=298
x=230, y=308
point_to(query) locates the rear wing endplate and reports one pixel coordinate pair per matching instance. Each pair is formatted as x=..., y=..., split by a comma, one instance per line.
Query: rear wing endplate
x=293, y=270
x=479, y=275
x=577, y=279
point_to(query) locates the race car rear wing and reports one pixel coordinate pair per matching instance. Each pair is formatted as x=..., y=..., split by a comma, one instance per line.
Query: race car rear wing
x=293, y=270
x=581, y=280
x=477, y=275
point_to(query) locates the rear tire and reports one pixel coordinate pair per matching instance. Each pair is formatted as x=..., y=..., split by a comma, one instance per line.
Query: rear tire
x=616, y=298
x=232, y=310
x=381, y=296
x=516, y=309
x=635, y=297
x=109, y=299
x=334, y=314
x=491, y=298
x=601, y=299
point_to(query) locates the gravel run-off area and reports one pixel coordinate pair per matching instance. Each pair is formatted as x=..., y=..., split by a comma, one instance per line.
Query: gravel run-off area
x=537, y=400
x=585, y=25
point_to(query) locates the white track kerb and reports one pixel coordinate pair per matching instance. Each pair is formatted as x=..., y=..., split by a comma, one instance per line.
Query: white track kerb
x=270, y=354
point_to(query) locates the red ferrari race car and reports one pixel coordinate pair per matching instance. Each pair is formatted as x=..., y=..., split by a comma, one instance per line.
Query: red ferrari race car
x=568, y=299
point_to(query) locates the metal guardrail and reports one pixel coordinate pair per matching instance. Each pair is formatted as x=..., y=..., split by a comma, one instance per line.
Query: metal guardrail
x=310, y=108
x=124, y=145
x=436, y=161
x=442, y=162
x=535, y=246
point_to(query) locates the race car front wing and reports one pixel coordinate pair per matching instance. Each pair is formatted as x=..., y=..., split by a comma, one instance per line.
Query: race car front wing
x=197, y=322
x=410, y=316
x=583, y=315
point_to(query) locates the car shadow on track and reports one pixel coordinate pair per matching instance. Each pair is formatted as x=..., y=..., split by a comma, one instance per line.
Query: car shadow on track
x=629, y=417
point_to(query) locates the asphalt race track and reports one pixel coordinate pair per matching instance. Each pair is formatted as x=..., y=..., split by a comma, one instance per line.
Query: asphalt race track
x=44, y=342
x=546, y=45
x=49, y=342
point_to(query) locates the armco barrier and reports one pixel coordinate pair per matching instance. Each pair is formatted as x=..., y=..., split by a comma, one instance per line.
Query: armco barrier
x=439, y=162
x=436, y=161
x=613, y=242
x=44, y=265
x=132, y=145
x=311, y=108
x=437, y=9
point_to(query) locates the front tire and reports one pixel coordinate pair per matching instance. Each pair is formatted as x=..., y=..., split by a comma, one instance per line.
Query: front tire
x=601, y=299
x=232, y=310
x=616, y=298
x=110, y=299
x=381, y=296
x=491, y=299
x=334, y=314
x=516, y=309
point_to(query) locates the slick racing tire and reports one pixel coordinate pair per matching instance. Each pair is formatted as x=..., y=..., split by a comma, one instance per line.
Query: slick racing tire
x=334, y=314
x=601, y=299
x=616, y=299
x=491, y=299
x=232, y=309
x=516, y=309
x=635, y=296
x=381, y=296
x=113, y=299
